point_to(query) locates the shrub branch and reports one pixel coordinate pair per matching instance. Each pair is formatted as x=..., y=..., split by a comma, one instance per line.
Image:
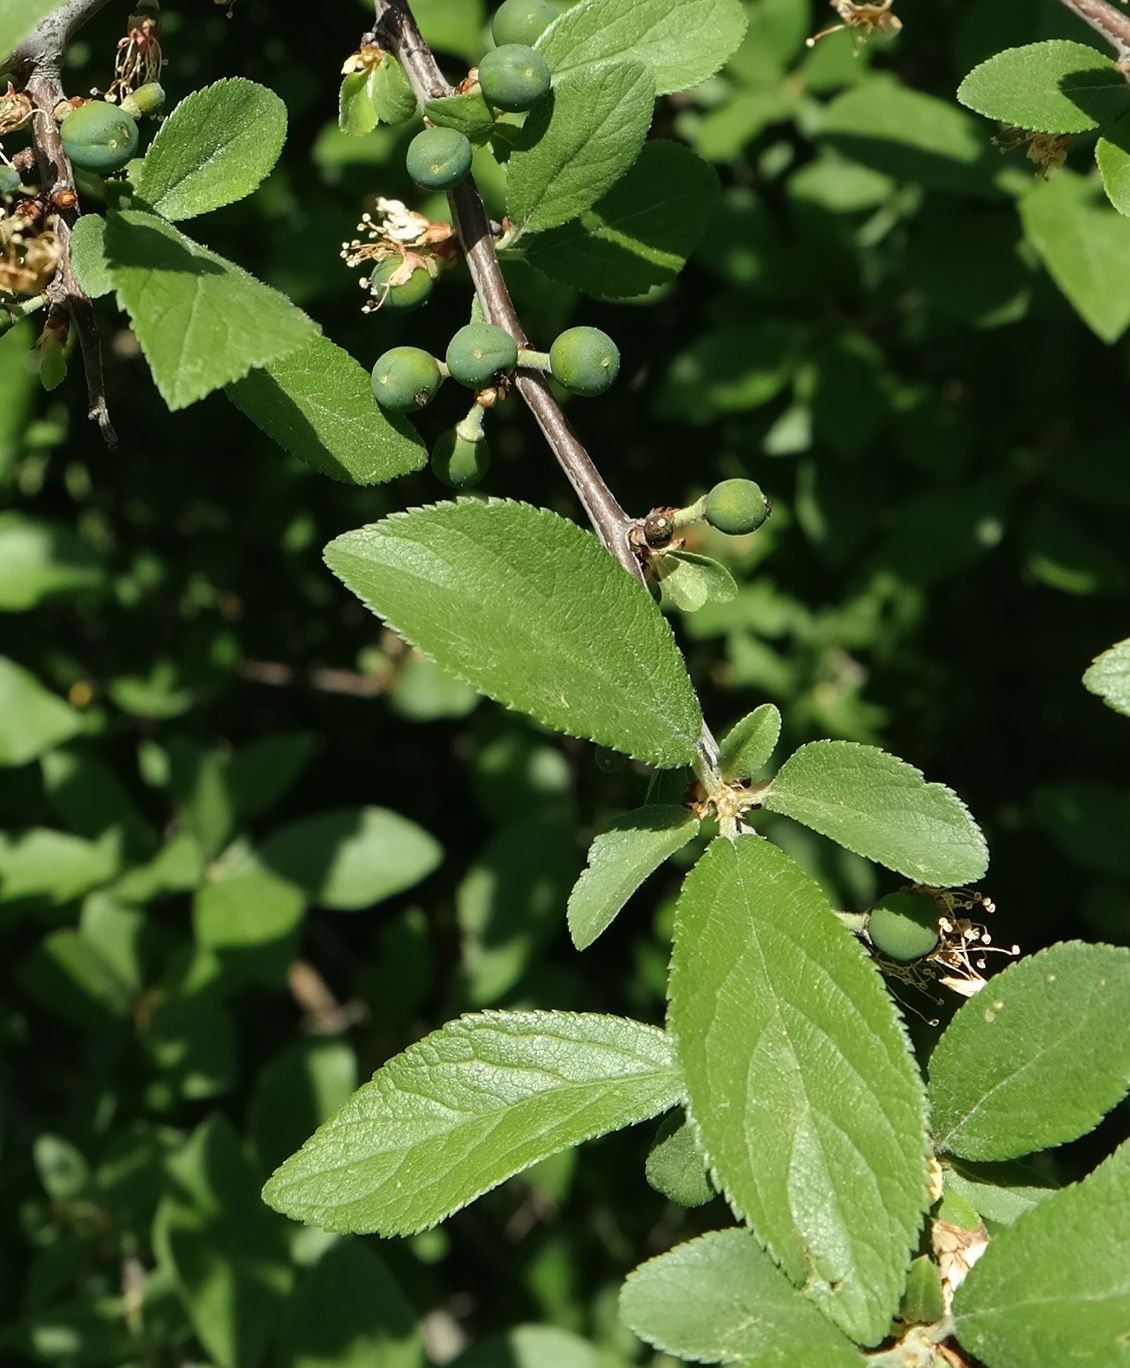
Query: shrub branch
x=1109, y=21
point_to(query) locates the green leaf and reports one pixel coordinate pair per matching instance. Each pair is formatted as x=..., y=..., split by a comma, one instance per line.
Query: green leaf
x=640, y=233
x=88, y=256
x=191, y=1045
x=721, y=1298
x=1112, y=153
x=469, y=114
x=999, y=1193
x=1108, y=676
x=675, y=1166
x=576, y=144
x=749, y=744
x=40, y=561
x=227, y=1252
x=251, y=920
x=533, y=1346
x=201, y=321
x=1038, y=1057
x=90, y=798
x=689, y=581
x=55, y=865
x=347, y=1311
x=682, y=44
x=466, y=1108
x=881, y=808
x=369, y=98
x=1053, y=1287
x=1085, y=246
x=178, y=867
x=316, y=402
x=1053, y=87
x=261, y=773
x=69, y=975
x=32, y=720
x=800, y=1081
x=215, y=147
x=534, y=613
x=620, y=859
x=729, y=369
x=18, y=18
x=302, y=1086
x=351, y=858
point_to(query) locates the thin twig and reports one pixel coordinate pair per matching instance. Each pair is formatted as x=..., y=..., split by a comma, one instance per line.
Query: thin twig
x=1109, y=21
x=38, y=63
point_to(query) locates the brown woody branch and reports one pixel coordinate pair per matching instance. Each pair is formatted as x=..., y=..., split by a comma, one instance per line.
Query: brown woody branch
x=37, y=63
x=1108, y=21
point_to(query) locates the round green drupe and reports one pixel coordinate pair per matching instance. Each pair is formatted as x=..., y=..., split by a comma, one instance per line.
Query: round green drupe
x=99, y=137
x=478, y=352
x=513, y=77
x=585, y=360
x=737, y=507
x=438, y=158
x=406, y=379
x=460, y=464
x=146, y=99
x=904, y=926
x=521, y=21
x=408, y=294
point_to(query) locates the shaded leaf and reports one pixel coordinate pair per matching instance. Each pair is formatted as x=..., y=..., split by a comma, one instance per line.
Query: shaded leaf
x=1052, y=87
x=675, y=1166
x=32, y=720
x=40, y=561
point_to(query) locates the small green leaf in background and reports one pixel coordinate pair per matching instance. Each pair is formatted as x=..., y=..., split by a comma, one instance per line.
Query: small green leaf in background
x=924, y=1301
x=682, y=44
x=534, y=1346
x=720, y=1299
x=676, y=1166
x=69, y=975
x=261, y=773
x=881, y=808
x=250, y=918
x=640, y=233
x=215, y=147
x=40, y=561
x=351, y=858
x=731, y=369
x=88, y=255
x=316, y=402
x=469, y=114
x=55, y=865
x=32, y=720
x=999, y=1193
x=1038, y=1057
x=576, y=144
x=1108, y=676
x=347, y=1311
x=467, y=1107
x=800, y=1081
x=1052, y=87
x=619, y=861
x=1085, y=246
x=534, y=613
x=200, y=321
x=178, y=867
x=191, y=1046
x=90, y=798
x=689, y=581
x=227, y=1252
x=18, y=18
x=1053, y=1288
x=302, y=1086
x=749, y=744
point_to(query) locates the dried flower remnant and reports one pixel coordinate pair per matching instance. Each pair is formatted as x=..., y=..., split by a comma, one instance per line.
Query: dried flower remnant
x=959, y=959
x=394, y=230
x=138, y=61
x=864, y=19
x=15, y=109
x=1047, y=150
x=29, y=254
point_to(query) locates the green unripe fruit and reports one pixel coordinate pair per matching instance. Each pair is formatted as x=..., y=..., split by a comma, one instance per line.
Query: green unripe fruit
x=478, y=352
x=438, y=158
x=521, y=21
x=513, y=77
x=10, y=180
x=406, y=379
x=459, y=463
x=904, y=926
x=146, y=99
x=409, y=294
x=585, y=360
x=99, y=137
x=736, y=507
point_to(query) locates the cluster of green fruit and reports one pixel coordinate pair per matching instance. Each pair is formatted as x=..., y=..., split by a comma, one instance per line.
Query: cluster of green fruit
x=102, y=137
x=405, y=379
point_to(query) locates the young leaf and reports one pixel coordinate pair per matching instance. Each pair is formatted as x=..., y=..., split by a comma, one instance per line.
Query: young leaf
x=576, y=144
x=1085, y=246
x=683, y=44
x=88, y=256
x=881, y=808
x=721, y=1298
x=351, y=858
x=32, y=720
x=1052, y=87
x=213, y=149
x=469, y=114
x=799, y=1080
x=1038, y=1057
x=1108, y=676
x=749, y=744
x=675, y=1166
x=1052, y=1288
x=228, y=1254
x=381, y=95
x=532, y=612
x=999, y=1193
x=620, y=859
x=640, y=233
x=690, y=581
x=200, y=321
x=466, y=1108
x=316, y=402
x=1112, y=154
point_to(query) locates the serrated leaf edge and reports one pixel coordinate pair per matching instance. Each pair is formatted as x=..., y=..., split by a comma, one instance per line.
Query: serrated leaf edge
x=1045, y=127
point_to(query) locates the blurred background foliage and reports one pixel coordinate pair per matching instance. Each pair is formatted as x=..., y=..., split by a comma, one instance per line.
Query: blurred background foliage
x=252, y=847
